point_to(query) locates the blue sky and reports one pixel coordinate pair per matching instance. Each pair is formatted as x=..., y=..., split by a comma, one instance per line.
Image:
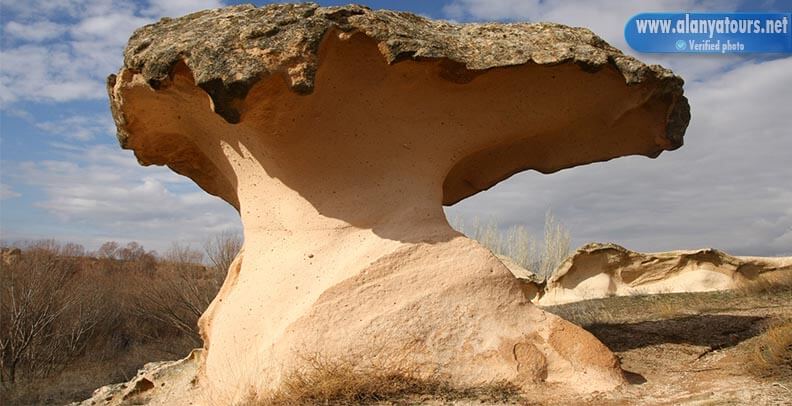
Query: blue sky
x=63, y=176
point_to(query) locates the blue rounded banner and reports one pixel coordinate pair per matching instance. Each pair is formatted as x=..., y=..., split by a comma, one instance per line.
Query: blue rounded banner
x=710, y=33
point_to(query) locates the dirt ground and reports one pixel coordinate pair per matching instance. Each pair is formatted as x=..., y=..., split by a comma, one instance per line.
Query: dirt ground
x=702, y=348
x=690, y=348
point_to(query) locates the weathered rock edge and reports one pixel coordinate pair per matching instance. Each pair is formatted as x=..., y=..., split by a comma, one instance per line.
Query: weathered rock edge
x=229, y=49
x=153, y=384
x=748, y=267
x=630, y=272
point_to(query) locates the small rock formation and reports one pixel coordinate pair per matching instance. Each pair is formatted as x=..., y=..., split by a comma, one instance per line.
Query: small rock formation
x=165, y=382
x=339, y=133
x=601, y=270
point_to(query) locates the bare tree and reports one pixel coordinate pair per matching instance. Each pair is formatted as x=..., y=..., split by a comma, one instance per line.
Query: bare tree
x=71, y=249
x=183, y=288
x=222, y=249
x=180, y=291
x=518, y=243
x=45, y=319
x=108, y=250
x=55, y=304
x=182, y=254
x=556, y=245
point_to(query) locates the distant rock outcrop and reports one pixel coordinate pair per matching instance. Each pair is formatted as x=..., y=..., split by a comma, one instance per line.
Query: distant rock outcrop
x=601, y=270
x=339, y=133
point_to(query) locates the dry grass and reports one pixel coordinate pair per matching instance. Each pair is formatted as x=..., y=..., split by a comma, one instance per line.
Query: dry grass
x=775, y=282
x=627, y=309
x=771, y=353
x=346, y=382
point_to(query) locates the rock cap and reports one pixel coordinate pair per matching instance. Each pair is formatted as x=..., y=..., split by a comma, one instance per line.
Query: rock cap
x=229, y=49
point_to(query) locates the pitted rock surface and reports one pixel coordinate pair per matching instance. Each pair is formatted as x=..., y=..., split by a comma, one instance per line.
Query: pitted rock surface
x=230, y=49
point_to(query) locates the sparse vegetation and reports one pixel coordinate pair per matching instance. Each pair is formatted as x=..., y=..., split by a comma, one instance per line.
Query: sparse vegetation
x=71, y=320
x=48, y=319
x=771, y=354
x=516, y=242
x=776, y=282
x=626, y=309
x=352, y=382
x=717, y=347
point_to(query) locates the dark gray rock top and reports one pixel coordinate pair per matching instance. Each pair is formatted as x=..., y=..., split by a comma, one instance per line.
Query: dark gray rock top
x=229, y=49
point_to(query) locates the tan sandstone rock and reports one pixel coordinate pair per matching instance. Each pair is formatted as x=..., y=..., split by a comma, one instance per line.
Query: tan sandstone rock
x=165, y=383
x=339, y=133
x=601, y=270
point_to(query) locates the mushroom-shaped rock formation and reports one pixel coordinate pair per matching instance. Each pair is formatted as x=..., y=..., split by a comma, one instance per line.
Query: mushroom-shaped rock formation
x=601, y=270
x=339, y=133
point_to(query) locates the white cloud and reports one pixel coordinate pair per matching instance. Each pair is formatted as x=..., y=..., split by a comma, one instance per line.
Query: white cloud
x=104, y=193
x=49, y=72
x=79, y=127
x=38, y=72
x=57, y=72
x=36, y=31
x=6, y=192
x=61, y=51
x=112, y=29
x=62, y=9
x=33, y=8
x=177, y=8
x=19, y=113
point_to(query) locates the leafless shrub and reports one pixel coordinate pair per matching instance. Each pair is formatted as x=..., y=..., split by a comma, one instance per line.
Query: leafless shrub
x=172, y=300
x=556, y=245
x=518, y=243
x=65, y=311
x=131, y=257
x=108, y=250
x=221, y=250
x=47, y=318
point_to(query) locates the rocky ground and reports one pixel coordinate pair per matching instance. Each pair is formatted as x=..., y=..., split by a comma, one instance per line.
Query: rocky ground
x=690, y=348
x=703, y=348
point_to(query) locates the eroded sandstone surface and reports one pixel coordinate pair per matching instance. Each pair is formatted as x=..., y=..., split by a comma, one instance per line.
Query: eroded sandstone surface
x=602, y=270
x=339, y=133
